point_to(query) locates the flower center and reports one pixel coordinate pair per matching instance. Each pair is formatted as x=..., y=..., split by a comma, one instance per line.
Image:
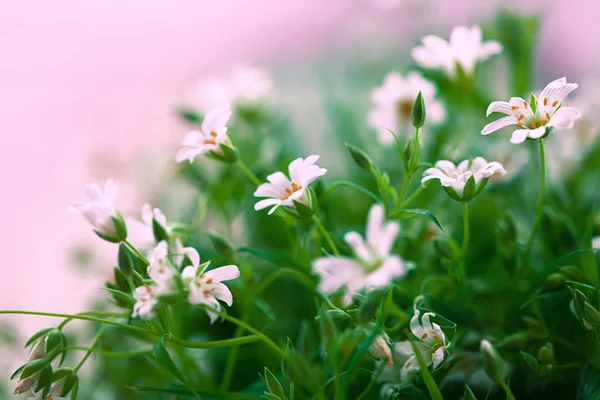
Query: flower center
x=537, y=120
x=291, y=190
x=211, y=141
x=404, y=109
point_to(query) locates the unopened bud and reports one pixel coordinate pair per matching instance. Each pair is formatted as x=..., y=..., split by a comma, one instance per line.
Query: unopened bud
x=418, y=111
x=360, y=157
x=381, y=349
x=546, y=354
x=494, y=365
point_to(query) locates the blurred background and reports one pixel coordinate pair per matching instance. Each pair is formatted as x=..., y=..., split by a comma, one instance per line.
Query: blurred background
x=88, y=91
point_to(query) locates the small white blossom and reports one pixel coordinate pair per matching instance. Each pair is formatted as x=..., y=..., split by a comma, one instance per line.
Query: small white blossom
x=206, y=287
x=596, y=242
x=465, y=49
x=181, y=252
x=456, y=176
x=158, y=270
x=145, y=297
x=531, y=123
x=100, y=210
x=380, y=348
x=431, y=342
x=141, y=234
x=212, y=133
x=394, y=101
x=283, y=191
x=373, y=265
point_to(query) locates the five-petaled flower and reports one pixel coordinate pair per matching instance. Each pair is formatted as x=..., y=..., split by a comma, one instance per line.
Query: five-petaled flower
x=464, y=49
x=141, y=234
x=283, y=191
x=100, y=211
x=373, y=265
x=205, y=286
x=146, y=299
x=430, y=340
x=209, y=138
x=456, y=176
x=533, y=120
x=159, y=270
x=394, y=101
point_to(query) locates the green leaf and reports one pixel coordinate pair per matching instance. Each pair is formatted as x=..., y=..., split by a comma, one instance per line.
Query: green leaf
x=360, y=352
x=121, y=280
x=360, y=157
x=531, y=361
x=38, y=335
x=469, y=394
x=222, y=246
x=589, y=384
x=368, y=307
x=327, y=328
x=273, y=385
x=591, y=314
x=189, y=115
x=338, y=184
x=164, y=358
x=411, y=212
x=160, y=232
x=432, y=387
x=125, y=261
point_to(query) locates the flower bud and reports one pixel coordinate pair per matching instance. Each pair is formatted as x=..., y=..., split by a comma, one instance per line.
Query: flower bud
x=494, y=365
x=221, y=245
x=360, y=157
x=418, y=111
x=381, y=349
x=307, y=207
x=546, y=354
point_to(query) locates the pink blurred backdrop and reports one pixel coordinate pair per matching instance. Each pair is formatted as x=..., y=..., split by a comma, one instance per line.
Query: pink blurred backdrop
x=85, y=85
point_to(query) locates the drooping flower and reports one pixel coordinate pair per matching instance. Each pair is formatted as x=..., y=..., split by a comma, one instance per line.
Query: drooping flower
x=159, y=270
x=456, y=176
x=373, y=266
x=206, y=287
x=141, y=234
x=211, y=136
x=37, y=352
x=464, y=49
x=247, y=86
x=380, y=348
x=532, y=120
x=146, y=299
x=394, y=101
x=430, y=340
x=282, y=191
x=100, y=211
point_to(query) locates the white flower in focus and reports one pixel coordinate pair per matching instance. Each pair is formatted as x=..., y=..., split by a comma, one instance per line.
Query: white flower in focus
x=549, y=113
x=465, y=49
x=100, y=210
x=283, y=191
x=141, y=234
x=373, y=266
x=145, y=297
x=394, y=101
x=158, y=270
x=431, y=342
x=212, y=133
x=456, y=176
x=206, y=287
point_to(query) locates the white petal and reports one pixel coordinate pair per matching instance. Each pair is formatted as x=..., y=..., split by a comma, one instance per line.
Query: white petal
x=222, y=293
x=94, y=192
x=498, y=124
x=279, y=179
x=446, y=166
x=310, y=174
x=503, y=107
x=374, y=223
x=519, y=136
x=262, y=204
x=216, y=119
x=537, y=132
x=189, y=272
x=225, y=273
x=438, y=356
x=564, y=118
x=193, y=255
x=358, y=245
x=187, y=153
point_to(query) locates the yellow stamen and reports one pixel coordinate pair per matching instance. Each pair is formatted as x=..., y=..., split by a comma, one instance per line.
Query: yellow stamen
x=545, y=101
x=555, y=103
x=521, y=117
x=547, y=115
x=424, y=336
x=519, y=124
x=532, y=126
x=515, y=107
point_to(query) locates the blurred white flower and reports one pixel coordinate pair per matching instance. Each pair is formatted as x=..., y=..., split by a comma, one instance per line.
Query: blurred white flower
x=283, y=191
x=181, y=252
x=145, y=297
x=394, y=101
x=596, y=242
x=456, y=176
x=212, y=133
x=373, y=265
x=100, y=210
x=465, y=49
x=247, y=86
x=158, y=270
x=380, y=348
x=141, y=234
x=430, y=340
x=386, y=5
x=206, y=287
x=532, y=123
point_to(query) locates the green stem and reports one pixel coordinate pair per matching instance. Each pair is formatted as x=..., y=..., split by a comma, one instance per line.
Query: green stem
x=292, y=389
x=92, y=345
x=373, y=382
x=124, y=354
x=412, y=197
x=283, y=272
x=540, y=204
x=326, y=235
x=465, y=243
x=248, y=172
x=137, y=253
x=231, y=359
x=509, y=395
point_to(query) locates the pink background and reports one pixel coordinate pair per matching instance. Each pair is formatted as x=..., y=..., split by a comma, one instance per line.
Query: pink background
x=84, y=85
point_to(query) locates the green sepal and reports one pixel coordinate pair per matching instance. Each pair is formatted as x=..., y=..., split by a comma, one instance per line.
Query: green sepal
x=222, y=246
x=108, y=238
x=120, y=227
x=54, y=342
x=531, y=361
x=159, y=231
x=38, y=335
x=273, y=385
x=121, y=281
x=44, y=381
x=469, y=190
x=33, y=367
x=307, y=211
x=452, y=193
x=360, y=157
x=419, y=111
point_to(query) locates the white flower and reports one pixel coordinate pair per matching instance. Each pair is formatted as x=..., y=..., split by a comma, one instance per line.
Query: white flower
x=465, y=48
x=532, y=124
x=456, y=176
x=141, y=234
x=596, y=242
x=394, y=101
x=431, y=342
x=380, y=348
x=283, y=191
x=373, y=266
x=206, y=287
x=181, y=252
x=145, y=297
x=100, y=210
x=247, y=86
x=158, y=270
x=212, y=133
